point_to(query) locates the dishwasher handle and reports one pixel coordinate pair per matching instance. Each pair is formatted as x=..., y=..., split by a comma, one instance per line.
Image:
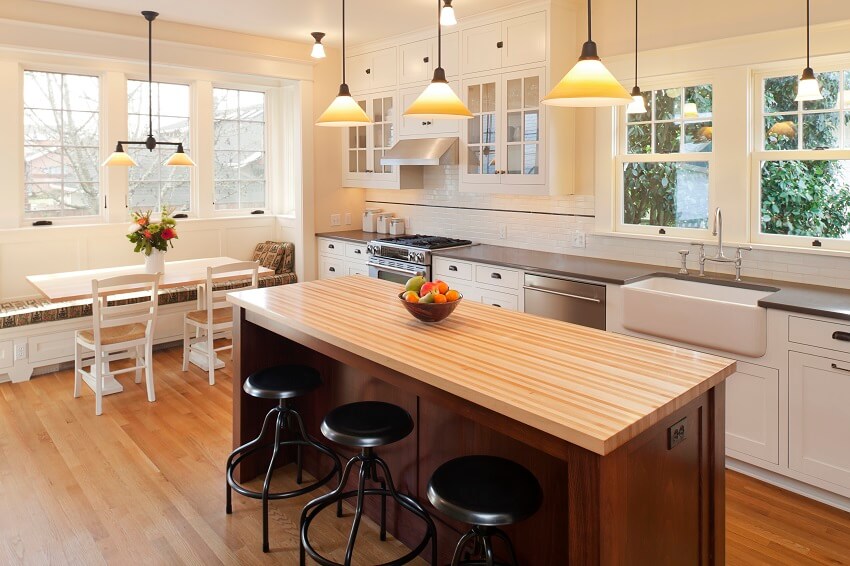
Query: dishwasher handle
x=560, y=294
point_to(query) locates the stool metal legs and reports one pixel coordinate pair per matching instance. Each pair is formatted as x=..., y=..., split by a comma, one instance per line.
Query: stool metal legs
x=285, y=417
x=482, y=550
x=369, y=464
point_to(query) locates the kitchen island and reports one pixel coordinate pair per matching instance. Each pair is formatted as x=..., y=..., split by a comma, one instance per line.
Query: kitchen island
x=624, y=435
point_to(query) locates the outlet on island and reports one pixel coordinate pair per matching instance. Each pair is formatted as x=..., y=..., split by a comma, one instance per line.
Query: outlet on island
x=579, y=239
x=503, y=231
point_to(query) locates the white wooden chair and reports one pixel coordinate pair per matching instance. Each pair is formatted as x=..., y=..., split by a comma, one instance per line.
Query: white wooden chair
x=214, y=317
x=118, y=330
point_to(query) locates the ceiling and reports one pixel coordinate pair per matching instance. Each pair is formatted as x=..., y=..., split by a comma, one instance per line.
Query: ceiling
x=366, y=20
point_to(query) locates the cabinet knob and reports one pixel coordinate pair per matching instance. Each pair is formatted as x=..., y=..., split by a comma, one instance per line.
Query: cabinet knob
x=368, y=71
x=428, y=123
x=357, y=251
x=452, y=268
x=500, y=44
x=426, y=59
x=331, y=269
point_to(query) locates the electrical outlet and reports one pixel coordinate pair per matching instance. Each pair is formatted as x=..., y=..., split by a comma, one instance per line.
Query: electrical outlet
x=579, y=239
x=503, y=231
x=348, y=219
x=677, y=433
x=335, y=220
x=20, y=351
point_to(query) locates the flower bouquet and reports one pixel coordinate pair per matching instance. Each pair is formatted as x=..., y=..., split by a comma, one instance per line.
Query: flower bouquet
x=153, y=237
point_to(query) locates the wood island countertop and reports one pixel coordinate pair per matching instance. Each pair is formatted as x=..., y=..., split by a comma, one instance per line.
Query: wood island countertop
x=594, y=389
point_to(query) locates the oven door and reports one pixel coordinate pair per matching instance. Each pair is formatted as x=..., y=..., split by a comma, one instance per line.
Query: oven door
x=397, y=272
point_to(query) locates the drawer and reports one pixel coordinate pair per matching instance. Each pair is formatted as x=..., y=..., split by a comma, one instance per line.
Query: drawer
x=356, y=252
x=449, y=268
x=328, y=246
x=7, y=354
x=498, y=276
x=465, y=288
x=51, y=346
x=330, y=267
x=502, y=300
x=354, y=268
x=820, y=334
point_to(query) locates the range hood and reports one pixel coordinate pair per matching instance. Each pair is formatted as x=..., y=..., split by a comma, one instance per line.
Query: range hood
x=422, y=152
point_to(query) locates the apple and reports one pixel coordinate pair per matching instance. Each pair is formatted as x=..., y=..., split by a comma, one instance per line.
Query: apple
x=427, y=288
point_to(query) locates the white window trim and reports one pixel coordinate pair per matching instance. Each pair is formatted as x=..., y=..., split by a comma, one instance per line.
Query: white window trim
x=757, y=155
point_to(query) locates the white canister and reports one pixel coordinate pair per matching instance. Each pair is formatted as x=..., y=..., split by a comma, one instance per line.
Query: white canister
x=397, y=226
x=384, y=222
x=370, y=219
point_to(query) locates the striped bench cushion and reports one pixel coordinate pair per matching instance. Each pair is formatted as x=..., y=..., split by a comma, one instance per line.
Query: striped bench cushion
x=35, y=311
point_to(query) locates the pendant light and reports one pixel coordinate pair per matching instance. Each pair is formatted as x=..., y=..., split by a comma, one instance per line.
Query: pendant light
x=318, y=51
x=447, y=14
x=438, y=101
x=120, y=158
x=638, y=105
x=808, y=87
x=588, y=83
x=344, y=110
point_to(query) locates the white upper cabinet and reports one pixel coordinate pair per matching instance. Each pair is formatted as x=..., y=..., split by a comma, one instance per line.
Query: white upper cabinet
x=419, y=128
x=511, y=43
x=365, y=145
x=417, y=60
x=376, y=70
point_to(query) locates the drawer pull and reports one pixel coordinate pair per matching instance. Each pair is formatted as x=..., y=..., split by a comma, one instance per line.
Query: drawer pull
x=843, y=336
x=838, y=367
x=332, y=270
x=497, y=305
x=495, y=276
x=452, y=268
x=331, y=246
x=357, y=251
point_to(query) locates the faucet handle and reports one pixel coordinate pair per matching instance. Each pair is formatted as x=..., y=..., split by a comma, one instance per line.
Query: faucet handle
x=701, y=246
x=740, y=249
x=683, y=270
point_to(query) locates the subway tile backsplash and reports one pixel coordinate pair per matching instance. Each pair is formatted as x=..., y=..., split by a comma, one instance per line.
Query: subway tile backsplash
x=548, y=223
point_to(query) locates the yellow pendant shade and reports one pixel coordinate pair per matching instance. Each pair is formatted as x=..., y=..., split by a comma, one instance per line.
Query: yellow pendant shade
x=438, y=102
x=343, y=112
x=180, y=159
x=588, y=84
x=119, y=158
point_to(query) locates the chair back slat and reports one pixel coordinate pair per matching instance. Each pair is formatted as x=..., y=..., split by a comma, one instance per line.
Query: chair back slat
x=141, y=288
x=232, y=271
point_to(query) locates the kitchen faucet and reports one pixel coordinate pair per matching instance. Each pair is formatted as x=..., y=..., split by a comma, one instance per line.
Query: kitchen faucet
x=720, y=257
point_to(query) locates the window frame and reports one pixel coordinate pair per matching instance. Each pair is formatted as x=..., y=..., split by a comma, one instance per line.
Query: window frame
x=758, y=154
x=103, y=189
x=172, y=80
x=623, y=158
x=270, y=101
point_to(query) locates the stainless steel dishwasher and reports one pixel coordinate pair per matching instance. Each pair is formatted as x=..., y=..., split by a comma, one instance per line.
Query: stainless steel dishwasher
x=565, y=299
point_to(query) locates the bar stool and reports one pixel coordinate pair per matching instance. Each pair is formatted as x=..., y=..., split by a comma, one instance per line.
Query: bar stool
x=366, y=425
x=486, y=492
x=283, y=383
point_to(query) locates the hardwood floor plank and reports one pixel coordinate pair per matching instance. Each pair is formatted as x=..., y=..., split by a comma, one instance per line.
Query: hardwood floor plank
x=144, y=483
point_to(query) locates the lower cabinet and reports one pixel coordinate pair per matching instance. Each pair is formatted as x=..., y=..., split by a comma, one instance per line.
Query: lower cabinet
x=338, y=258
x=819, y=418
x=487, y=284
x=752, y=412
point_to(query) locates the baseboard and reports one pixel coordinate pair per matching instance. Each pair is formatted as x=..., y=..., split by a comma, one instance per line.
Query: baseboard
x=789, y=484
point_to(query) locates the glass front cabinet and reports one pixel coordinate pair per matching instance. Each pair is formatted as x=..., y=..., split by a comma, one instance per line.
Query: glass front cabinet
x=365, y=145
x=501, y=146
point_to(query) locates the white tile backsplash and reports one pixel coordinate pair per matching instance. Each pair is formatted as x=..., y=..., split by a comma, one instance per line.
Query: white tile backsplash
x=546, y=223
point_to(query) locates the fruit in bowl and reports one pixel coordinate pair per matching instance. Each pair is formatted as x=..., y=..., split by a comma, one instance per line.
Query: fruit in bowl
x=429, y=301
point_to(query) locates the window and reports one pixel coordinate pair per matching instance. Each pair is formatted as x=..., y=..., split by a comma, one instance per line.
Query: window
x=665, y=159
x=61, y=145
x=154, y=184
x=803, y=160
x=239, y=131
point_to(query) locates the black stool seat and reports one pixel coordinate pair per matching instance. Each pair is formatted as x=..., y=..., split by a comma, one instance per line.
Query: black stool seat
x=282, y=382
x=485, y=490
x=367, y=424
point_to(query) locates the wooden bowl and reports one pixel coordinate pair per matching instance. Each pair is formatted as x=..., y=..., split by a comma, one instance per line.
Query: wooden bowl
x=430, y=312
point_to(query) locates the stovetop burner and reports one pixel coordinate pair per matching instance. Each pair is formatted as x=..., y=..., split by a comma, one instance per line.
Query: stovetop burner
x=425, y=242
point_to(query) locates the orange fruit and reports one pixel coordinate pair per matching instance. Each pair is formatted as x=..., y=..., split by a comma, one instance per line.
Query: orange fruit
x=411, y=297
x=442, y=287
x=452, y=296
x=440, y=298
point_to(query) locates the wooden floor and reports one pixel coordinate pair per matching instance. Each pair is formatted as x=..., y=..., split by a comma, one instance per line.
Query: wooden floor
x=144, y=484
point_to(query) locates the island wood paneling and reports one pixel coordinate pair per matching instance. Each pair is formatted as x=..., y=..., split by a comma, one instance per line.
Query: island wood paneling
x=591, y=388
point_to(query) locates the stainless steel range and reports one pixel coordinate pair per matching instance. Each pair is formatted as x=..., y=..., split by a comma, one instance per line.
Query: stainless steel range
x=399, y=258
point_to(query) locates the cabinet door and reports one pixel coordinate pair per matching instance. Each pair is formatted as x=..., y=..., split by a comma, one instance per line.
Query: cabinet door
x=417, y=127
x=752, y=412
x=416, y=62
x=331, y=267
x=480, y=48
x=382, y=111
x=356, y=75
x=382, y=69
x=451, y=54
x=482, y=134
x=524, y=40
x=819, y=419
x=523, y=156
x=356, y=160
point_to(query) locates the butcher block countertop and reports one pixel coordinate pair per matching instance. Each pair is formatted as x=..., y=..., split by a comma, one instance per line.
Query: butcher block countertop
x=594, y=389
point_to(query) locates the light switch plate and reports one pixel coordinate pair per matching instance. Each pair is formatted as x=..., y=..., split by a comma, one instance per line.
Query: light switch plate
x=503, y=231
x=348, y=219
x=335, y=220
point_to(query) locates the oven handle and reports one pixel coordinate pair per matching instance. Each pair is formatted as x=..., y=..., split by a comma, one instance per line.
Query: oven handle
x=397, y=270
x=560, y=294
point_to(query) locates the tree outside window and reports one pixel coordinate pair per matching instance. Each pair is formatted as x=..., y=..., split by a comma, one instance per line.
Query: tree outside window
x=61, y=145
x=239, y=131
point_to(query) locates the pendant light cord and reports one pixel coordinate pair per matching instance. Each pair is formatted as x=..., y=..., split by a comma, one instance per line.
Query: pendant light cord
x=589, y=18
x=343, y=41
x=439, y=36
x=150, y=77
x=808, y=32
x=636, y=43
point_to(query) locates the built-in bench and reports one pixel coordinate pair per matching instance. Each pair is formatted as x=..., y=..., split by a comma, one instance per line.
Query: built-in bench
x=43, y=331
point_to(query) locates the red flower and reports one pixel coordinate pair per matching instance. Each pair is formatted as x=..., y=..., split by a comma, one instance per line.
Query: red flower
x=169, y=233
x=142, y=221
x=148, y=234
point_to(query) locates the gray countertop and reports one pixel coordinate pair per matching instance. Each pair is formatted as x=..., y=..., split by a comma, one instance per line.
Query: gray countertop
x=831, y=302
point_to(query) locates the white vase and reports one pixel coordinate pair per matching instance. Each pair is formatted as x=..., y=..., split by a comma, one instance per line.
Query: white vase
x=155, y=263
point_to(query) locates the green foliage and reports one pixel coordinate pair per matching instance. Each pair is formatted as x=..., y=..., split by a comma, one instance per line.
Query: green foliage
x=148, y=234
x=666, y=194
